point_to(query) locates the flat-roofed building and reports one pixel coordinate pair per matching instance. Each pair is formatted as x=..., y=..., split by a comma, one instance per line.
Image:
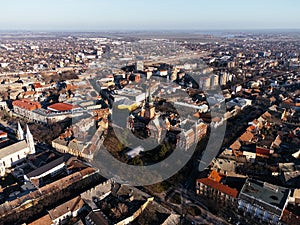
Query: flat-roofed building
x=136, y=95
x=200, y=108
x=263, y=201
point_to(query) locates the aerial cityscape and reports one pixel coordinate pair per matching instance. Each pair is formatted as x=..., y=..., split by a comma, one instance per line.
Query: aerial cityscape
x=175, y=117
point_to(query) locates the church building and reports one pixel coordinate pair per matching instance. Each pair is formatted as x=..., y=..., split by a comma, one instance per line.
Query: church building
x=17, y=152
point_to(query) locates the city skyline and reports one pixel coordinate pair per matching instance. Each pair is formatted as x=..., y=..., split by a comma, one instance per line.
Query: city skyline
x=95, y=15
x=142, y=125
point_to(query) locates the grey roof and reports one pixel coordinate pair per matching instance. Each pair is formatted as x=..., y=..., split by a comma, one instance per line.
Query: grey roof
x=98, y=218
x=125, y=101
x=13, y=149
x=60, y=141
x=74, y=145
x=28, y=187
x=287, y=167
x=292, y=178
x=267, y=196
x=45, y=168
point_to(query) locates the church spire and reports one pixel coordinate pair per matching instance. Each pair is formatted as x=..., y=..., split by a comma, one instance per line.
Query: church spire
x=20, y=132
x=30, y=141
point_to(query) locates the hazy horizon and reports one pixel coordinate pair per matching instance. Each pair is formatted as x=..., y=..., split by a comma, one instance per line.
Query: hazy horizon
x=275, y=30
x=99, y=15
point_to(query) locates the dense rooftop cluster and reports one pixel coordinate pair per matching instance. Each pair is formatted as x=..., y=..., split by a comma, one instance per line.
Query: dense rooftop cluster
x=68, y=88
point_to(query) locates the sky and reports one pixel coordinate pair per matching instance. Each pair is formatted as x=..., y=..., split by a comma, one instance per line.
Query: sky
x=93, y=15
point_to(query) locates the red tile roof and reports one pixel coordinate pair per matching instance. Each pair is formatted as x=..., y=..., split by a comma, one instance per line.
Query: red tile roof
x=246, y=137
x=72, y=205
x=37, y=85
x=251, y=128
x=45, y=220
x=71, y=87
x=266, y=115
x=290, y=218
x=27, y=104
x=214, y=175
x=289, y=102
x=59, y=185
x=262, y=151
x=216, y=119
x=3, y=133
x=236, y=145
x=28, y=93
x=218, y=186
x=61, y=107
